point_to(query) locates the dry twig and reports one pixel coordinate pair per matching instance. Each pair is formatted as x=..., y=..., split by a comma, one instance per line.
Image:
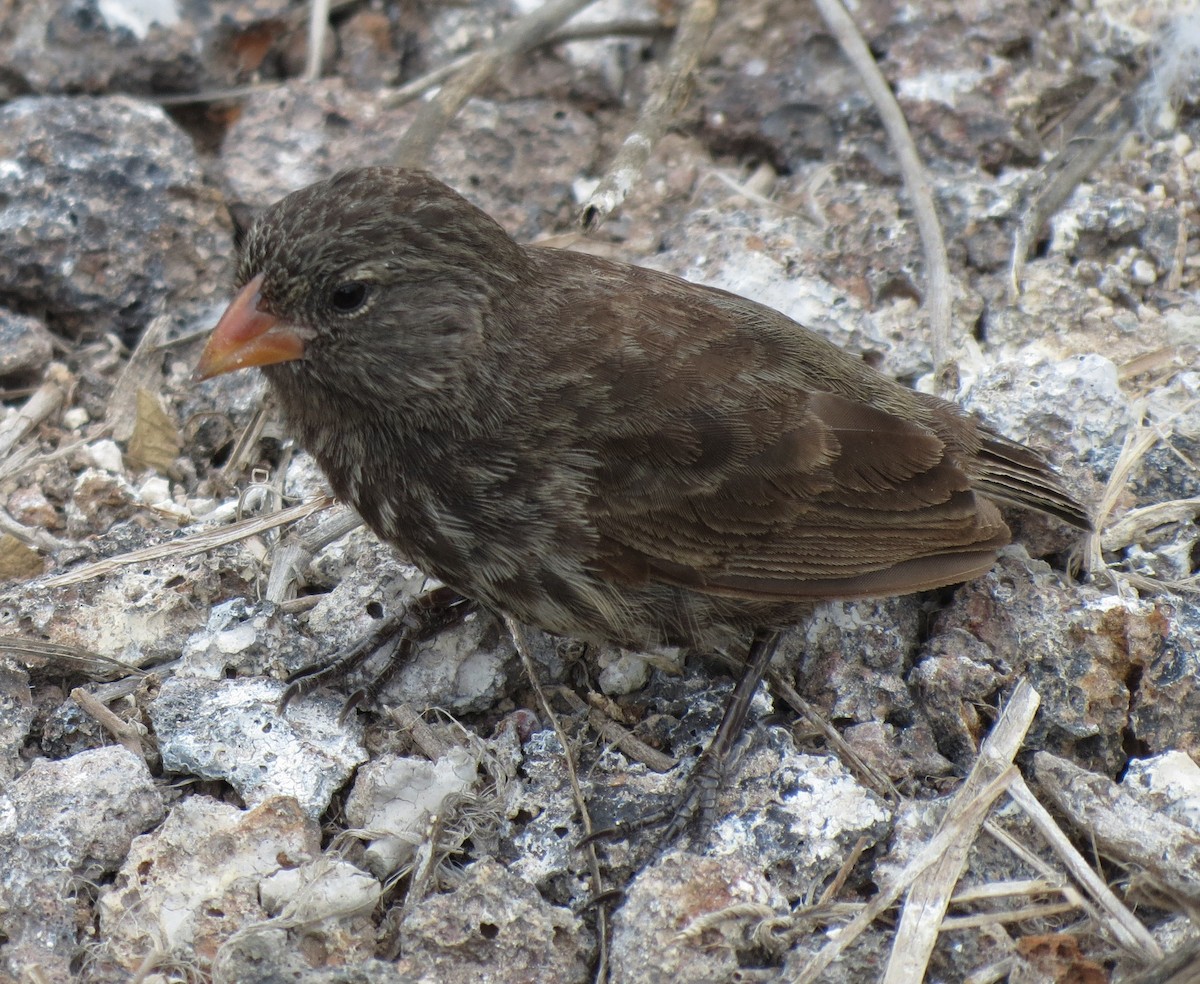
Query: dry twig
x=68, y=658
x=186, y=546
x=318, y=27
x=1113, y=916
x=126, y=734
x=530, y=31
x=930, y=894
x=583, y=32
x=585, y=817
x=862, y=770
x=964, y=824
x=661, y=107
x=937, y=298
x=1108, y=122
x=43, y=404
x=294, y=553
x=618, y=736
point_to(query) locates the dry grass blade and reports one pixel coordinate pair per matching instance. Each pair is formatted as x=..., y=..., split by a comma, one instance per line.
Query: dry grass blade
x=186, y=546
x=518, y=638
x=584, y=32
x=864, y=771
x=1007, y=889
x=1138, y=441
x=925, y=907
x=69, y=658
x=318, y=28
x=618, y=736
x=839, y=880
x=962, y=825
x=662, y=105
x=1108, y=122
x=125, y=733
x=1027, y=913
x=43, y=403
x=937, y=298
x=247, y=442
x=1112, y=915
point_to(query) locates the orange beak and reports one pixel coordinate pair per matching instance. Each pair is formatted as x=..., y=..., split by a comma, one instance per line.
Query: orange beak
x=248, y=336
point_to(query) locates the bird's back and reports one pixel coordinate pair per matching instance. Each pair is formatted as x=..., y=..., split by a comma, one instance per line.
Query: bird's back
x=745, y=464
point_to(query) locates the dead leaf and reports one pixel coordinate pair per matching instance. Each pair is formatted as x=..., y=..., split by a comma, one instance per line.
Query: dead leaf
x=18, y=561
x=155, y=442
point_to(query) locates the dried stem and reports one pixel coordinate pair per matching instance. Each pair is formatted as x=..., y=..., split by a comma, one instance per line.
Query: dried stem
x=417, y=143
x=937, y=298
x=925, y=906
x=518, y=638
x=194, y=543
x=662, y=105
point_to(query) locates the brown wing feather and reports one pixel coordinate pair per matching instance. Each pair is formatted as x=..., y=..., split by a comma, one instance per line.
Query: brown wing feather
x=884, y=496
x=790, y=473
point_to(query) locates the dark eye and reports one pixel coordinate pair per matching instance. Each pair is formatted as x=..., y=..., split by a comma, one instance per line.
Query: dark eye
x=348, y=297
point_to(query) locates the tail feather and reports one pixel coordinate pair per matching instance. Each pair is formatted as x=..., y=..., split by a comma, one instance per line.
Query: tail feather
x=1013, y=473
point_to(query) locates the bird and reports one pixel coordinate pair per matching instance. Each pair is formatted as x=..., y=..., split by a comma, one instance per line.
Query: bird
x=603, y=451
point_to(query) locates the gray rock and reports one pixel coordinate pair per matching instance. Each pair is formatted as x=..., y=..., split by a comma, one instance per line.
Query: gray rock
x=231, y=730
x=59, y=822
x=148, y=47
x=105, y=214
x=25, y=344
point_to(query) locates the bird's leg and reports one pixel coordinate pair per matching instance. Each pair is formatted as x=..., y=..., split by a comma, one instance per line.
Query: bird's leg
x=427, y=615
x=699, y=798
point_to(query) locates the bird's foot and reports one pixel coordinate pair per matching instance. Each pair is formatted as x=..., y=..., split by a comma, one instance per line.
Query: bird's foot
x=695, y=808
x=426, y=616
x=692, y=813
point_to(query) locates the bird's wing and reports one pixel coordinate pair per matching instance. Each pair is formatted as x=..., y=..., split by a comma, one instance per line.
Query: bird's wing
x=723, y=465
x=846, y=501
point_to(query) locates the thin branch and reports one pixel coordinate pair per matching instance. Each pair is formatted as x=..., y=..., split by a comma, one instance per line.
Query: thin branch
x=518, y=638
x=194, y=543
x=618, y=736
x=937, y=298
x=1108, y=123
x=417, y=142
x=68, y=658
x=126, y=734
x=871, y=777
x=661, y=107
x=44, y=403
x=584, y=32
x=1122, y=924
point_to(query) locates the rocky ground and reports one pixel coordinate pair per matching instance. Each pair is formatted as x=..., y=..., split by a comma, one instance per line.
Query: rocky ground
x=167, y=559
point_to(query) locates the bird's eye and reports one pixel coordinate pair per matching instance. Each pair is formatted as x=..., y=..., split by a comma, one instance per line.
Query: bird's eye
x=348, y=297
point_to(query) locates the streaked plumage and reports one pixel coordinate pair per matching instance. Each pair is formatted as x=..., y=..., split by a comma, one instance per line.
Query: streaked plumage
x=598, y=449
